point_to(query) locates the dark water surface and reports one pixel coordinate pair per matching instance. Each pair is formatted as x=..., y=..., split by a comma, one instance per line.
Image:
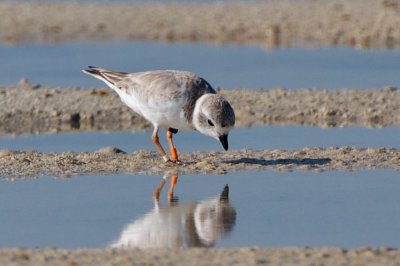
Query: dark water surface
x=267, y=209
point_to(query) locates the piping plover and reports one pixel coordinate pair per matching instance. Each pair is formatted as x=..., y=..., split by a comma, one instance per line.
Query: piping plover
x=173, y=100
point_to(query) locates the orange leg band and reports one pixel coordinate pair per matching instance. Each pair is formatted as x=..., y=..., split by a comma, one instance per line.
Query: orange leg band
x=174, y=154
x=174, y=179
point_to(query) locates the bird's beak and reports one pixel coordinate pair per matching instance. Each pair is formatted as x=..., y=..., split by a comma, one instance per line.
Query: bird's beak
x=224, y=141
x=224, y=197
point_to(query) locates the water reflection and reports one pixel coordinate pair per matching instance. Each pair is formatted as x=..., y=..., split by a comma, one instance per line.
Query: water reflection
x=178, y=224
x=346, y=209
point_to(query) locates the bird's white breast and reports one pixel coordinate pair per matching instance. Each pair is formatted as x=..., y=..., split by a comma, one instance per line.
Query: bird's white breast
x=167, y=113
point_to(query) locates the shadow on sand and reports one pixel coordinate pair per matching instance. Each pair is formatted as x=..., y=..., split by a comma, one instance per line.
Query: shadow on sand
x=263, y=162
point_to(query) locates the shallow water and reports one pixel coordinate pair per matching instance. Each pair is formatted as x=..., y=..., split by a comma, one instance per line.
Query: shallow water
x=269, y=137
x=267, y=209
x=226, y=66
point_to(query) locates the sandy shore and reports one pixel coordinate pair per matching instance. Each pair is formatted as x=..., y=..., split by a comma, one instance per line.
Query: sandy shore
x=30, y=109
x=359, y=23
x=197, y=256
x=112, y=160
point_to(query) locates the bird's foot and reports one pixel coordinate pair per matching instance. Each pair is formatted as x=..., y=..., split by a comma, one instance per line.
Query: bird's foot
x=173, y=199
x=156, y=196
x=178, y=162
x=174, y=162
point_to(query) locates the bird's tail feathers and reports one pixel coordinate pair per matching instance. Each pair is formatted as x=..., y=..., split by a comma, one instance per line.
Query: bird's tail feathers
x=95, y=72
x=107, y=76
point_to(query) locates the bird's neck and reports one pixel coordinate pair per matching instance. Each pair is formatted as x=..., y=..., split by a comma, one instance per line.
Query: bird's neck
x=197, y=111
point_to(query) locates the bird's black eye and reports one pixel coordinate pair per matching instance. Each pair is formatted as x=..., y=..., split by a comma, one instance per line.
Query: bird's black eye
x=210, y=123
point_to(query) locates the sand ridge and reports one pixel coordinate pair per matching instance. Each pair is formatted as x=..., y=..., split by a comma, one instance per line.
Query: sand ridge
x=357, y=23
x=202, y=256
x=17, y=164
x=31, y=109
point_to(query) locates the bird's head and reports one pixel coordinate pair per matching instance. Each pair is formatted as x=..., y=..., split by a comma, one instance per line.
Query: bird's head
x=213, y=116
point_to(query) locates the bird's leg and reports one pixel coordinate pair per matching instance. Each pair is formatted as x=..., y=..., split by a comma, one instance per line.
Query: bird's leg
x=156, y=193
x=174, y=180
x=154, y=138
x=171, y=198
x=174, y=154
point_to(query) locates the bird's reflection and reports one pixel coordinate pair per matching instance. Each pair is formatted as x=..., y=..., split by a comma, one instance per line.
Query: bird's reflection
x=193, y=224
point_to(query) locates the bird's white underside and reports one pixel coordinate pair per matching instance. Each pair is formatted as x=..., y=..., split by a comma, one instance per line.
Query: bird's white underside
x=162, y=114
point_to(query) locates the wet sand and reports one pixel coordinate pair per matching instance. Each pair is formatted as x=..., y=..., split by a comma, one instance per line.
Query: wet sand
x=359, y=23
x=108, y=160
x=31, y=109
x=199, y=256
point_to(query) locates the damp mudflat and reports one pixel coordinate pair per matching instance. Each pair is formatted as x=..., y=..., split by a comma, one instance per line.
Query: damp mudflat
x=265, y=209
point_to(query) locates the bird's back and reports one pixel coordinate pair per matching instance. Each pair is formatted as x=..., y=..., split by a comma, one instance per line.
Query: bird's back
x=169, y=95
x=166, y=85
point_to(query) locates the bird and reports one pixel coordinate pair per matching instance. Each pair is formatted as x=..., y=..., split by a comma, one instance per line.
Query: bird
x=172, y=100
